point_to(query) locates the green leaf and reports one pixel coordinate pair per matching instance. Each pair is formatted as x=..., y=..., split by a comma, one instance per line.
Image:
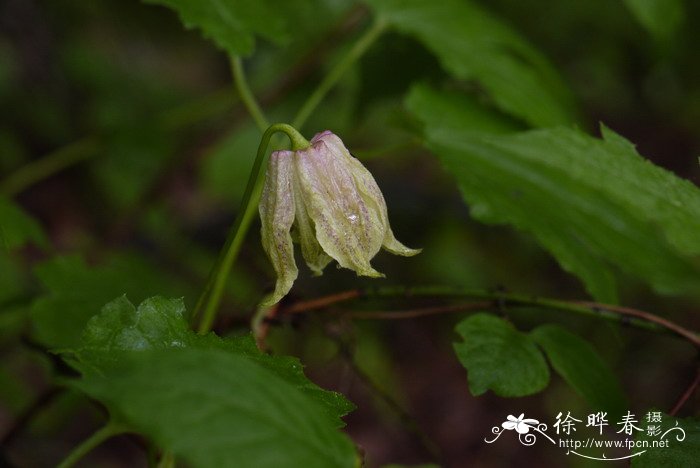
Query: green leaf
x=233, y=24
x=16, y=227
x=212, y=401
x=683, y=447
x=595, y=204
x=582, y=368
x=472, y=44
x=215, y=408
x=661, y=18
x=75, y=293
x=136, y=154
x=454, y=111
x=160, y=323
x=500, y=358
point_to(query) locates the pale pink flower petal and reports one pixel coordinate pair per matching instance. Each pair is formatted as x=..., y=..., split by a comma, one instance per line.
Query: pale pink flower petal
x=277, y=215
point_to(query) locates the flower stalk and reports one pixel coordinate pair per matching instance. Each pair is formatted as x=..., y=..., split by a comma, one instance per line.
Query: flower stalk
x=210, y=298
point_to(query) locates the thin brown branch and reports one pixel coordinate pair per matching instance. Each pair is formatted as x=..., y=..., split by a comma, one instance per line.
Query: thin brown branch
x=687, y=394
x=423, y=312
x=321, y=302
x=620, y=314
x=649, y=317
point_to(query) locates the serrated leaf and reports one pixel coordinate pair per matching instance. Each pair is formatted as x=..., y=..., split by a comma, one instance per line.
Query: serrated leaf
x=160, y=323
x=17, y=228
x=683, y=445
x=212, y=401
x=500, y=358
x=595, y=204
x=76, y=292
x=577, y=361
x=661, y=17
x=472, y=44
x=232, y=24
x=215, y=408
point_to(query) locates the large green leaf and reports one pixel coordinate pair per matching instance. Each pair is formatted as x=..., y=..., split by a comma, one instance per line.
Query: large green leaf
x=231, y=24
x=500, y=358
x=582, y=367
x=214, y=402
x=160, y=323
x=76, y=292
x=16, y=227
x=217, y=409
x=683, y=447
x=595, y=204
x=661, y=17
x=472, y=44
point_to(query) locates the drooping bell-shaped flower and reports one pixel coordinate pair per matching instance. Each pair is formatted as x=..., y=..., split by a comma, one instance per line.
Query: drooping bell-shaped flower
x=326, y=200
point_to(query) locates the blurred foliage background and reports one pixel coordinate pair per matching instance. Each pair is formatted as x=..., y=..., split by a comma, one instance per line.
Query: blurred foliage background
x=149, y=150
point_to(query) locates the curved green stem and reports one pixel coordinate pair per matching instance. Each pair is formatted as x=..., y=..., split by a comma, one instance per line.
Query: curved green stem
x=357, y=50
x=108, y=431
x=246, y=94
x=48, y=165
x=211, y=296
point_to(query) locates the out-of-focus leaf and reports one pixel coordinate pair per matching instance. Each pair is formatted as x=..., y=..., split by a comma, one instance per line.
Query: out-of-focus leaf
x=180, y=388
x=17, y=228
x=14, y=393
x=243, y=289
x=14, y=296
x=373, y=356
x=500, y=358
x=133, y=158
x=403, y=58
x=582, y=367
x=453, y=111
x=595, y=204
x=11, y=278
x=231, y=24
x=661, y=17
x=683, y=448
x=76, y=292
x=12, y=152
x=234, y=25
x=474, y=45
